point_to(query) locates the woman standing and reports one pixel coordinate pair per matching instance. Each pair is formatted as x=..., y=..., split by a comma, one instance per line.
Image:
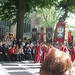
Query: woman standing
x=37, y=53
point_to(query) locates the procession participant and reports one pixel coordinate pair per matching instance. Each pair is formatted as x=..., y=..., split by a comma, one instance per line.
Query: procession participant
x=34, y=50
x=72, y=52
x=42, y=52
x=45, y=50
x=37, y=53
x=50, y=48
x=56, y=45
x=62, y=47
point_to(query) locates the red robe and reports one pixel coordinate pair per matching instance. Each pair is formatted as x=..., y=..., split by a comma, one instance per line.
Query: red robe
x=37, y=54
x=63, y=49
x=45, y=51
x=72, y=52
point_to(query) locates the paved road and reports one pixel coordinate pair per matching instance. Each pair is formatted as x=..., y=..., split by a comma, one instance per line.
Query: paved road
x=20, y=68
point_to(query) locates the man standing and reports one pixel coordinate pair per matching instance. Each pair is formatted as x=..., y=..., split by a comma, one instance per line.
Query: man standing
x=72, y=53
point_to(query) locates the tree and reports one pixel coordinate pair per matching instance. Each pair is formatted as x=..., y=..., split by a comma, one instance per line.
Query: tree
x=66, y=6
x=20, y=18
x=49, y=16
x=14, y=10
x=17, y=8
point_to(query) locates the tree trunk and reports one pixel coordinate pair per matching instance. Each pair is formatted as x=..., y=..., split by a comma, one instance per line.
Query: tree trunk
x=63, y=18
x=20, y=18
x=66, y=10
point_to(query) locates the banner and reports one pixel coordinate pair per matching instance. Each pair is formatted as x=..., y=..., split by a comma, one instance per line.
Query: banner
x=34, y=34
x=60, y=32
x=49, y=35
x=42, y=34
x=69, y=37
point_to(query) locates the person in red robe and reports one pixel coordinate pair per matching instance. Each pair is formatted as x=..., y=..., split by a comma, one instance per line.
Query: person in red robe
x=44, y=51
x=37, y=49
x=51, y=48
x=72, y=53
x=62, y=47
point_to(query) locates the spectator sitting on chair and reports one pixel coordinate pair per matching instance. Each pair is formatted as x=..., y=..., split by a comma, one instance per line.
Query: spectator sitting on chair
x=1, y=52
x=28, y=52
x=18, y=56
x=21, y=51
x=12, y=53
x=5, y=50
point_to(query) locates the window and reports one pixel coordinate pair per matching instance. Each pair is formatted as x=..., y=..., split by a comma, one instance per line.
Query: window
x=2, y=31
x=27, y=26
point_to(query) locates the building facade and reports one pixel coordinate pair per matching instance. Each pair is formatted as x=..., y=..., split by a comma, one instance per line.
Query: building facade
x=29, y=24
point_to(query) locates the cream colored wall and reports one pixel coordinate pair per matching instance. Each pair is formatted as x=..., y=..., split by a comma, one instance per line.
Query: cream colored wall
x=35, y=22
x=13, y=29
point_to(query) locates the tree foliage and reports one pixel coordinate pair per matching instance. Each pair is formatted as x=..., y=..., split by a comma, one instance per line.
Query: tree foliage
x=13, y=9
x=67, y=6
x=49, y=17
x=9, y=9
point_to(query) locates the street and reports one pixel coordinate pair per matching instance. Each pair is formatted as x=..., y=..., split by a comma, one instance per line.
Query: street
x=21, y=68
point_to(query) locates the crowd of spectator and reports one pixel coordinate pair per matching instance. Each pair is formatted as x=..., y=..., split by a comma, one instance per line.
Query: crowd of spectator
x=12, y=49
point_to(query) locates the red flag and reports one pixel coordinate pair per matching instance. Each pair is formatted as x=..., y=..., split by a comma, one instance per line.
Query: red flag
x=69, y=37
x=42, y=35
x=60, y=32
